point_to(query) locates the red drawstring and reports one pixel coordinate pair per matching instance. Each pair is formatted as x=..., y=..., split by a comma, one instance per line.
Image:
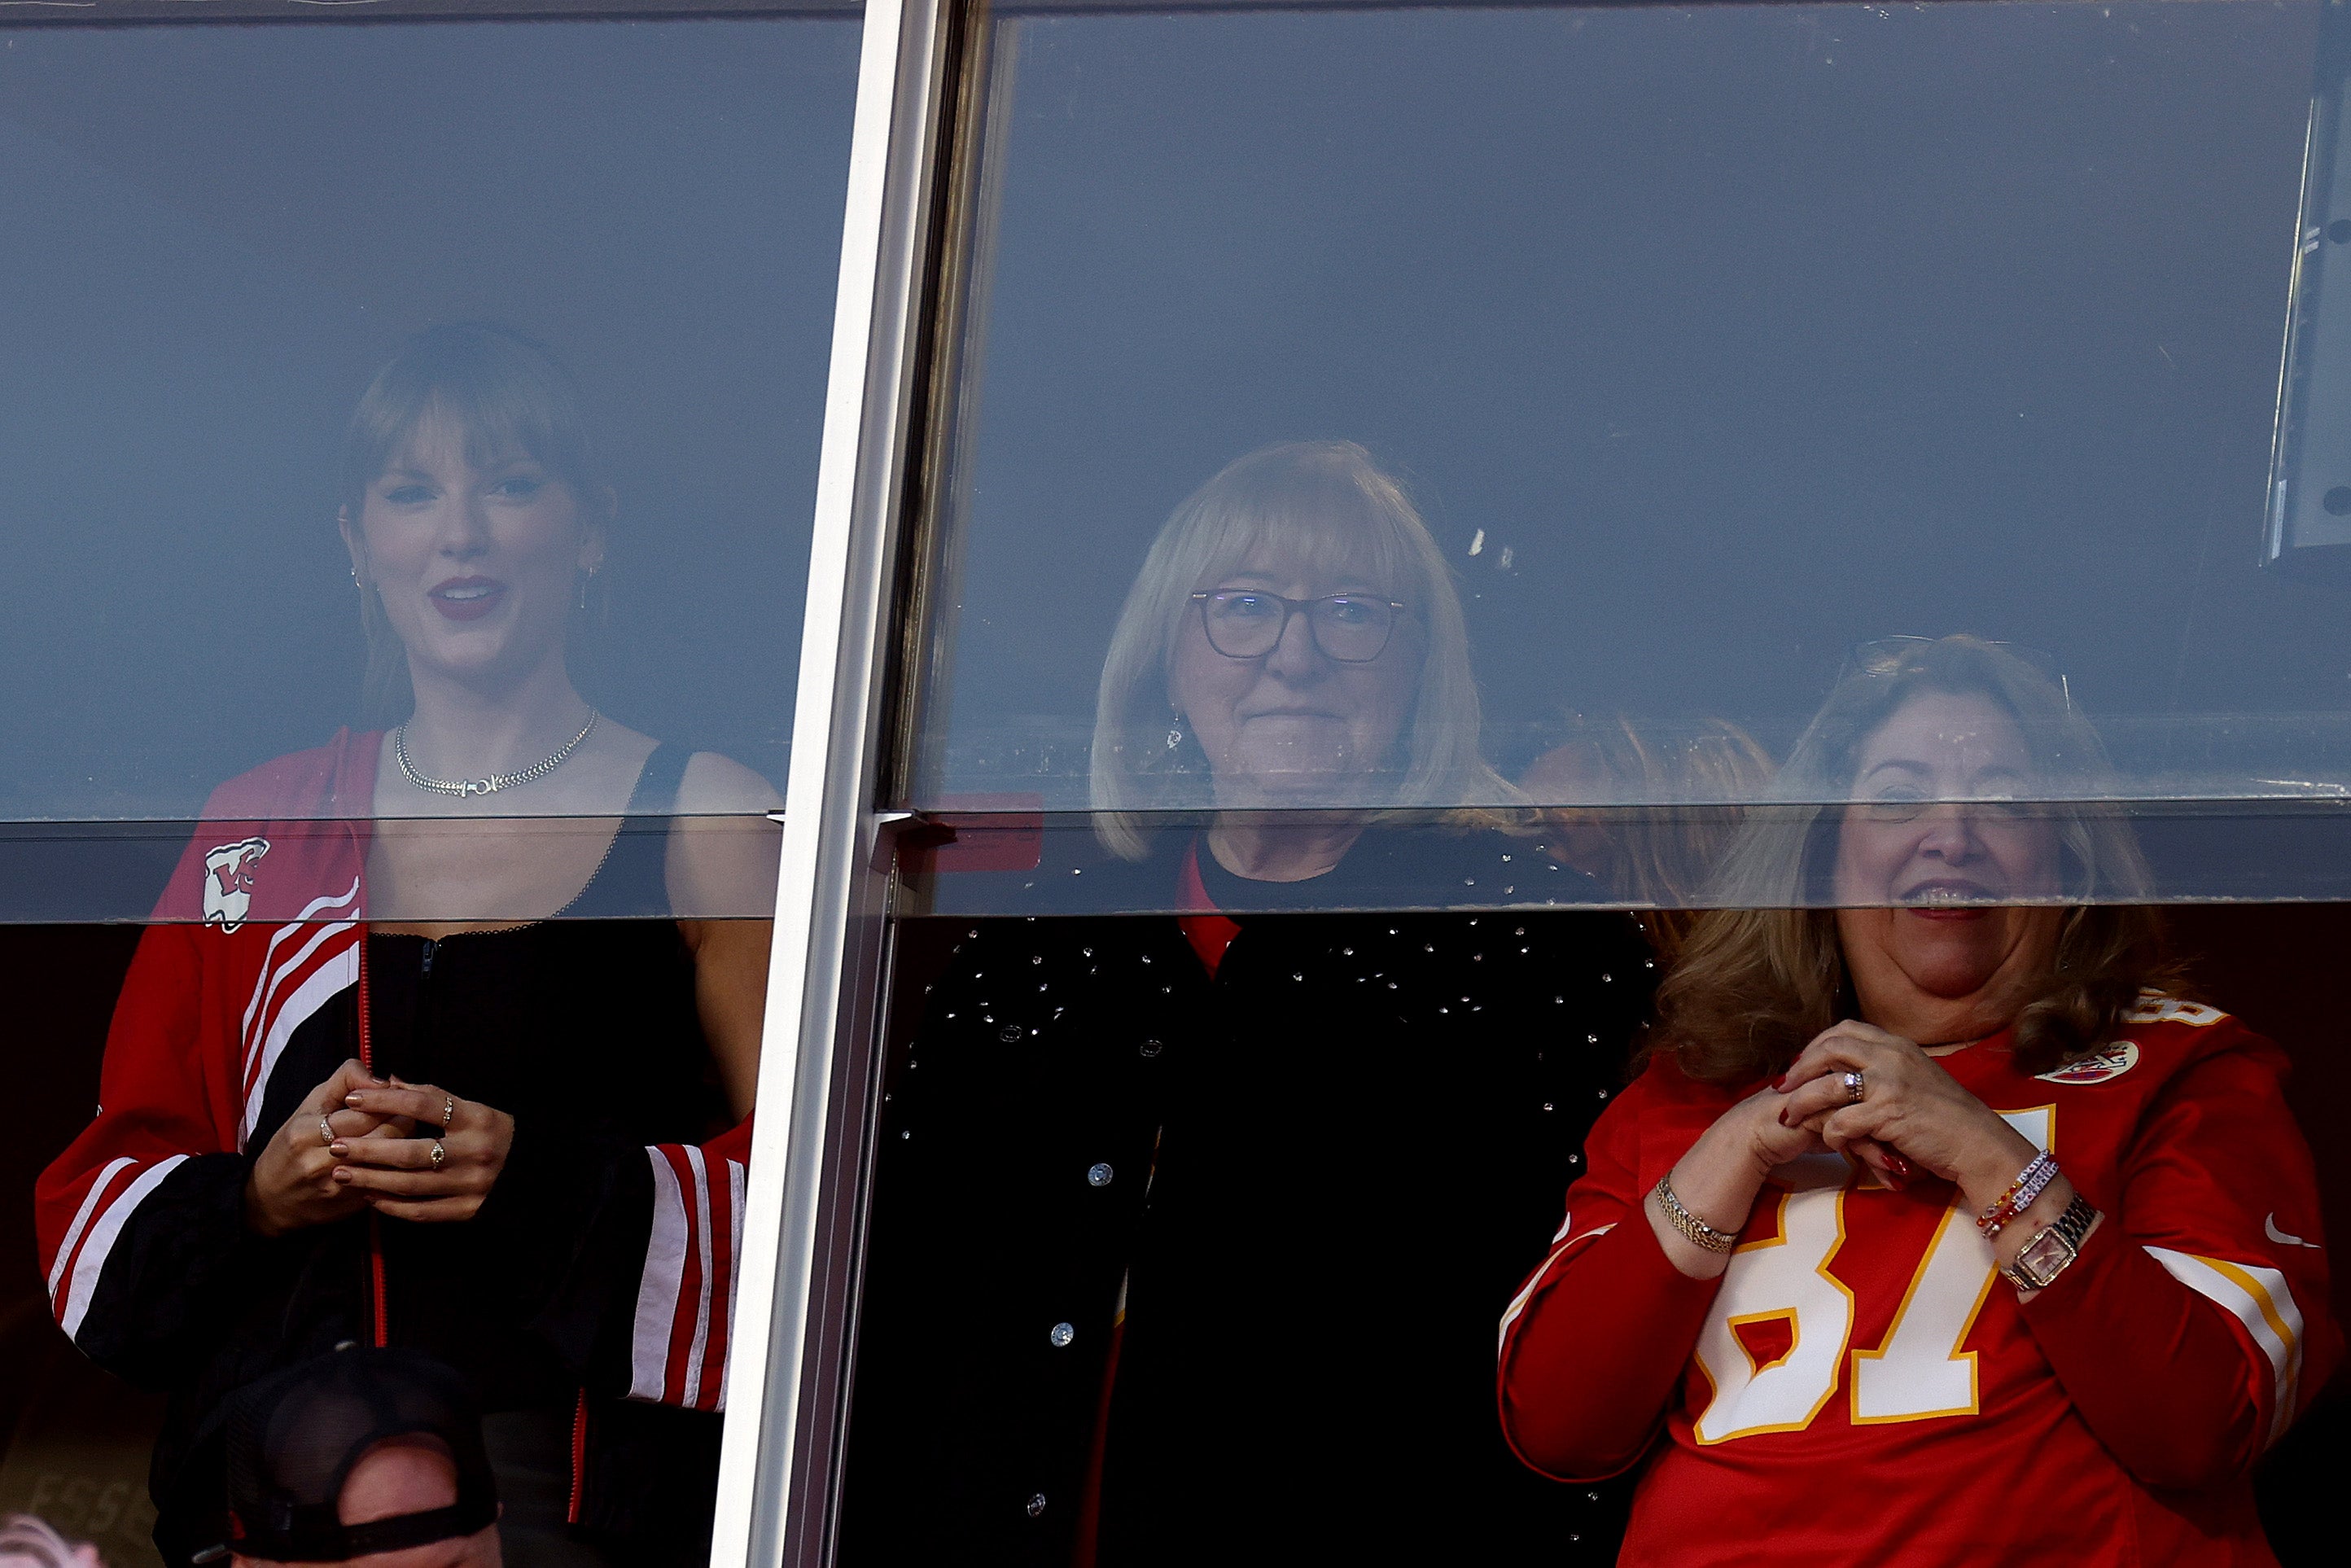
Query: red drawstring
x=375, y=1221
x=579, y=1456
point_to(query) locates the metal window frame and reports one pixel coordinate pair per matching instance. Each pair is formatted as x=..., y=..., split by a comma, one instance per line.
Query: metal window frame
x=827, y=968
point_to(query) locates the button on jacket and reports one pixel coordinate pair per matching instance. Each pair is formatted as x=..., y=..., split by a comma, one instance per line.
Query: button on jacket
x=1312, y=1179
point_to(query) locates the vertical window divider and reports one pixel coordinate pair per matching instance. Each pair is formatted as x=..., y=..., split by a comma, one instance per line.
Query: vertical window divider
x=784, y=1380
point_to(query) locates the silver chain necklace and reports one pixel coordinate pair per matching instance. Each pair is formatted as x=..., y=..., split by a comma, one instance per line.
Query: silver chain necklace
x=496, y=781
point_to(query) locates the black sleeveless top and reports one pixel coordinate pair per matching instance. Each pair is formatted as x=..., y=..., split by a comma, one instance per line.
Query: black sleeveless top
x=582, y=1027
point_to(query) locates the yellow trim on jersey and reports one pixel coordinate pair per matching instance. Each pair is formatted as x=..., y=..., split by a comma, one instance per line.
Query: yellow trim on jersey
x=1974, y=1406
x=1744, y=1253
x=1535, y=1281
x=1795, y=1336
x=2258, y=1298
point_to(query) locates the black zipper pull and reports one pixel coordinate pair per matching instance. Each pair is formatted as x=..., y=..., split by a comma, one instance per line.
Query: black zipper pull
x=429, y=945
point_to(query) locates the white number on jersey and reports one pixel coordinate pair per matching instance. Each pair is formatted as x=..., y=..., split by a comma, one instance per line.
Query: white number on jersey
x=1920, y=1373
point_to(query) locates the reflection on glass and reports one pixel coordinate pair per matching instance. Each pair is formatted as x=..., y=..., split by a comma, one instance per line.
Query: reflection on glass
x=504, y=1143
x=1664, y=857
x=1714, y=343
x=1886, y=1088
x=195, y=283
x=1294, y=640
x=1966, y=741
x=1289, y=673
x=444, y=1030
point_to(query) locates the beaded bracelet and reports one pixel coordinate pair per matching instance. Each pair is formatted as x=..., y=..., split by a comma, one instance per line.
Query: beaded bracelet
x=1696, y=1231
x=2028, y=1185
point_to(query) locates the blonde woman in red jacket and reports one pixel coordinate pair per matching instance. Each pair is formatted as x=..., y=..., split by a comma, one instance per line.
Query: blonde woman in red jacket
x=377, y=1076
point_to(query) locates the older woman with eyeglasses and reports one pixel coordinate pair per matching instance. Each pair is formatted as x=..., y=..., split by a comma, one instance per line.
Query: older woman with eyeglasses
x=1312, y=1054
x=1939, y=1228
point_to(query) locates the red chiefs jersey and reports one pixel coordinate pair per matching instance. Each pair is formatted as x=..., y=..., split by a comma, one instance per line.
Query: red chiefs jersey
x=1861, y=1387
x=261, y=925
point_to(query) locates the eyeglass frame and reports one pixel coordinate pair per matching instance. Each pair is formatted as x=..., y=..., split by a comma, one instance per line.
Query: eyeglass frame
x=1857, y=658
x=1290, y=607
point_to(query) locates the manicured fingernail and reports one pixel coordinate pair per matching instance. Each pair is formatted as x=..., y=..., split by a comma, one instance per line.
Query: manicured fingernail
x=1900, y=1165
x=341, y=1174
x=338, y=1150
x=1783, y=1115
x=354, y=1099
x=1781, y=1083
x=1899, y=1183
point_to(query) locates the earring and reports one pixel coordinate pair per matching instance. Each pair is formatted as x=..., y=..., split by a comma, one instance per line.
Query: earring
x=1175, y=733
x=586, y=578
x=355, y=580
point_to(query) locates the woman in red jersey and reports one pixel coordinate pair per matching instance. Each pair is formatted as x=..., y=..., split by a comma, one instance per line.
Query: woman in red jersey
x=1936, y=1231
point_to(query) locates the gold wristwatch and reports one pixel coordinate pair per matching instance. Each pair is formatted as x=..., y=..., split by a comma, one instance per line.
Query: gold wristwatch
x=2043, y=1258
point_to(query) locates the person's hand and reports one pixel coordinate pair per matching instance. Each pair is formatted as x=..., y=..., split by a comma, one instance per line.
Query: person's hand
x=1718, y=1178
x=292, y=1184
x=1759, y=1127
x=395, y=1174
x=1912, y=1114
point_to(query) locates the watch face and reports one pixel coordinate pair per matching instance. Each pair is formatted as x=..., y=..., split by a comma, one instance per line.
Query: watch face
x=2044, y=1257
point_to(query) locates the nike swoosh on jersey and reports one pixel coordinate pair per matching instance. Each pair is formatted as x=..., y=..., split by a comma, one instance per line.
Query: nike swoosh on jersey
x=2270, y=1229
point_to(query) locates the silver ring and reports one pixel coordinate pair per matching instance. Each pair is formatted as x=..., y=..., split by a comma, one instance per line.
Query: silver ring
x=439, y=1154
x=448, y=1112
x=326, y=1131
x=1856, y=1086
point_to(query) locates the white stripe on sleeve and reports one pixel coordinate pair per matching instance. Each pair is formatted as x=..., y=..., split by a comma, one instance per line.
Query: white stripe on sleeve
x=332, y=976
x=1519, y=1303
x=2258, y=1298
x=702, y=1250
x=658, y=1290
x=102, y=1236
x=734, y=1183
x=81, y=1219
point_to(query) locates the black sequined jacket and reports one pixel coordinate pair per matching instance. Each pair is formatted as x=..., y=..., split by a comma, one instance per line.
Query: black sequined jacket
x=1311, y=1182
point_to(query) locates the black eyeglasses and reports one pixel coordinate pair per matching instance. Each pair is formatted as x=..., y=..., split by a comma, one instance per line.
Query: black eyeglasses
x=1248, y=623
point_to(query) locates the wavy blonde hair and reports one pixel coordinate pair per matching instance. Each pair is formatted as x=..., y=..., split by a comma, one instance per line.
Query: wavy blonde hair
x=1763, y=972
x=1690, y=792
x=1329, y=501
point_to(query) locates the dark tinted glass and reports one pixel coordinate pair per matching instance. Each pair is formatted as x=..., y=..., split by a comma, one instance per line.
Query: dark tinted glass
x=218, y=235
x=409, y=435
x=1670, y=366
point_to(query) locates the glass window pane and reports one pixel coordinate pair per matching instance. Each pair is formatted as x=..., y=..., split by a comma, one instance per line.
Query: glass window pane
x=220, y=237
x=1614, y=384
x=1416, y=478
x=411, y=433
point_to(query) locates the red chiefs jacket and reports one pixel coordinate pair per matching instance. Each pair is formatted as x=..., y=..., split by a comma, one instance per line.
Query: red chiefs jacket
x=1860, y=1387
x=262, y=927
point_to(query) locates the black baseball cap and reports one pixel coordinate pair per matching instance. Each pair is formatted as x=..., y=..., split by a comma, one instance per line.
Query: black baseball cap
x=293, y=1438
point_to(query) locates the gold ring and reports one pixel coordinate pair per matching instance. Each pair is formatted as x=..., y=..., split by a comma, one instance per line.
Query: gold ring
x=448, y=1112
x=439, y=1154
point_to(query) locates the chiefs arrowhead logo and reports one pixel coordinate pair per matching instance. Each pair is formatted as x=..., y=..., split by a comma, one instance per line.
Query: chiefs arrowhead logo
x=229, y=882
x=2112, y=1062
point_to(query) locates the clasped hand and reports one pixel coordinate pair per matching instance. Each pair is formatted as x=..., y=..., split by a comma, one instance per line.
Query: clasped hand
x=1912, y=1115
x=363, y=1142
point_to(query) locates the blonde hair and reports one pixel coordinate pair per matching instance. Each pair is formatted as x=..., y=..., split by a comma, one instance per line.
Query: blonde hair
x=1329, y=501
x=1763, y=972
x=1689, y=791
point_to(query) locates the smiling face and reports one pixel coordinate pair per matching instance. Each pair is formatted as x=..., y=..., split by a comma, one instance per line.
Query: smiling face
x=477, y=564
x=1931, y=842
x=1294, y=727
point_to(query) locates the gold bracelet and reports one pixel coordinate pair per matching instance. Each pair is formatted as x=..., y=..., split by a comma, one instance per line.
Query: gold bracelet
x=1697, y=1231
